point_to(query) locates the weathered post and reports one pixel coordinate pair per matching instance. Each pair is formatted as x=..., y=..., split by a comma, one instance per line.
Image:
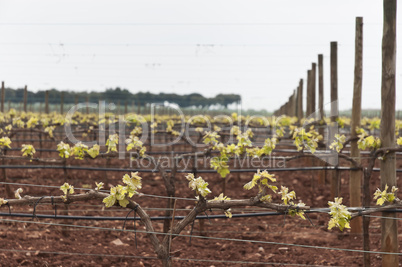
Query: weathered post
x=389, y=224
x=320, y=86
x=294, y=103
x=61, y=103
x=313, y=79
x=309, y=108
x=47, y=102
x=321, y=174
x=300, y=100
x=356, y=175
x=2, y=96
x=335, y=181
x=25, y=98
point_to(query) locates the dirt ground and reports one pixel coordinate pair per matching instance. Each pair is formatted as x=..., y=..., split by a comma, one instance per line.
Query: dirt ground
x=30, y=242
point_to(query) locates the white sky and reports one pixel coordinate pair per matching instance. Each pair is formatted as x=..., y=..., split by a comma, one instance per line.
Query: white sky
x=258, y=49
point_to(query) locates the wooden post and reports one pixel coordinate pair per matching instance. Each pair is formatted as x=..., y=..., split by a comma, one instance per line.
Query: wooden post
x=334, y=81
x=356, y=176
x=125, y=108
x=300, y=114
x=294, y=102
x=309, y=108
x=366, y=219
x=62, y=103
x=321, y=174
x=320, y=87
x=25, y=98
x=313, y=78
x=389, y=225
x=312, y=107
x=47, y=102
x=2, y=96
x=290, y=106
x=335, y=181
x=297, y=102
x=139, y=107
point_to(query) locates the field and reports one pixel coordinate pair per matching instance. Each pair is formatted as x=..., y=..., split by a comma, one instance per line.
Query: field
x=262, y=232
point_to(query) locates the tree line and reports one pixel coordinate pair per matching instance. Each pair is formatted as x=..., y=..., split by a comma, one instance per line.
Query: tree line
x=123, y=95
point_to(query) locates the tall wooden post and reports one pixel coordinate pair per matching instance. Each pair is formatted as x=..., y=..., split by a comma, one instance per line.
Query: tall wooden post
x=334, y=81
x=2, y=96
x=290, y=105
x=62, y=103
x=25, y=98
x=356, y=176
x=321, y=174
x=125, y=107
x=47, y=102
x=335, y=181
x=389, y=224
x=297, y=102
x=309, y=108
x=320, y=86
x=294, y=103
x=313, y=87
x=300, y=100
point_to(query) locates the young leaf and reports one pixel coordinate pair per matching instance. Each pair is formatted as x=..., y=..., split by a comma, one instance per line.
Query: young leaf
x=5, y=142
x=18, y=192
x=94, y=151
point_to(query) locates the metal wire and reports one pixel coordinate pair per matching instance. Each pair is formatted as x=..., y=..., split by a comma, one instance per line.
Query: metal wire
x=318, y=168
x=212, y=238
x=78, y=254
x=244, y=262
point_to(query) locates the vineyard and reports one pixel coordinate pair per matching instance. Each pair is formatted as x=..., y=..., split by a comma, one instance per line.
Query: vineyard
x=88, y=184
x=241, y=190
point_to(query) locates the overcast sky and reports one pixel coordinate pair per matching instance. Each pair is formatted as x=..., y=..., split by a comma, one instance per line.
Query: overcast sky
x=258, y=49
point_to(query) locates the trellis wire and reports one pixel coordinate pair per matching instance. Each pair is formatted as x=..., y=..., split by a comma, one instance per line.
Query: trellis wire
x=318, y=168
x=149, y=258
x=88, y=189
x=209, y=238
x=161, y=218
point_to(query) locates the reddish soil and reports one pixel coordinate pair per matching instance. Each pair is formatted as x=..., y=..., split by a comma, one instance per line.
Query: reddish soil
x=28, y=244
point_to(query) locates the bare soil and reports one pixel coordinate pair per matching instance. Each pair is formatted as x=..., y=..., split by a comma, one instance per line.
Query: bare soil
x=29, y=243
